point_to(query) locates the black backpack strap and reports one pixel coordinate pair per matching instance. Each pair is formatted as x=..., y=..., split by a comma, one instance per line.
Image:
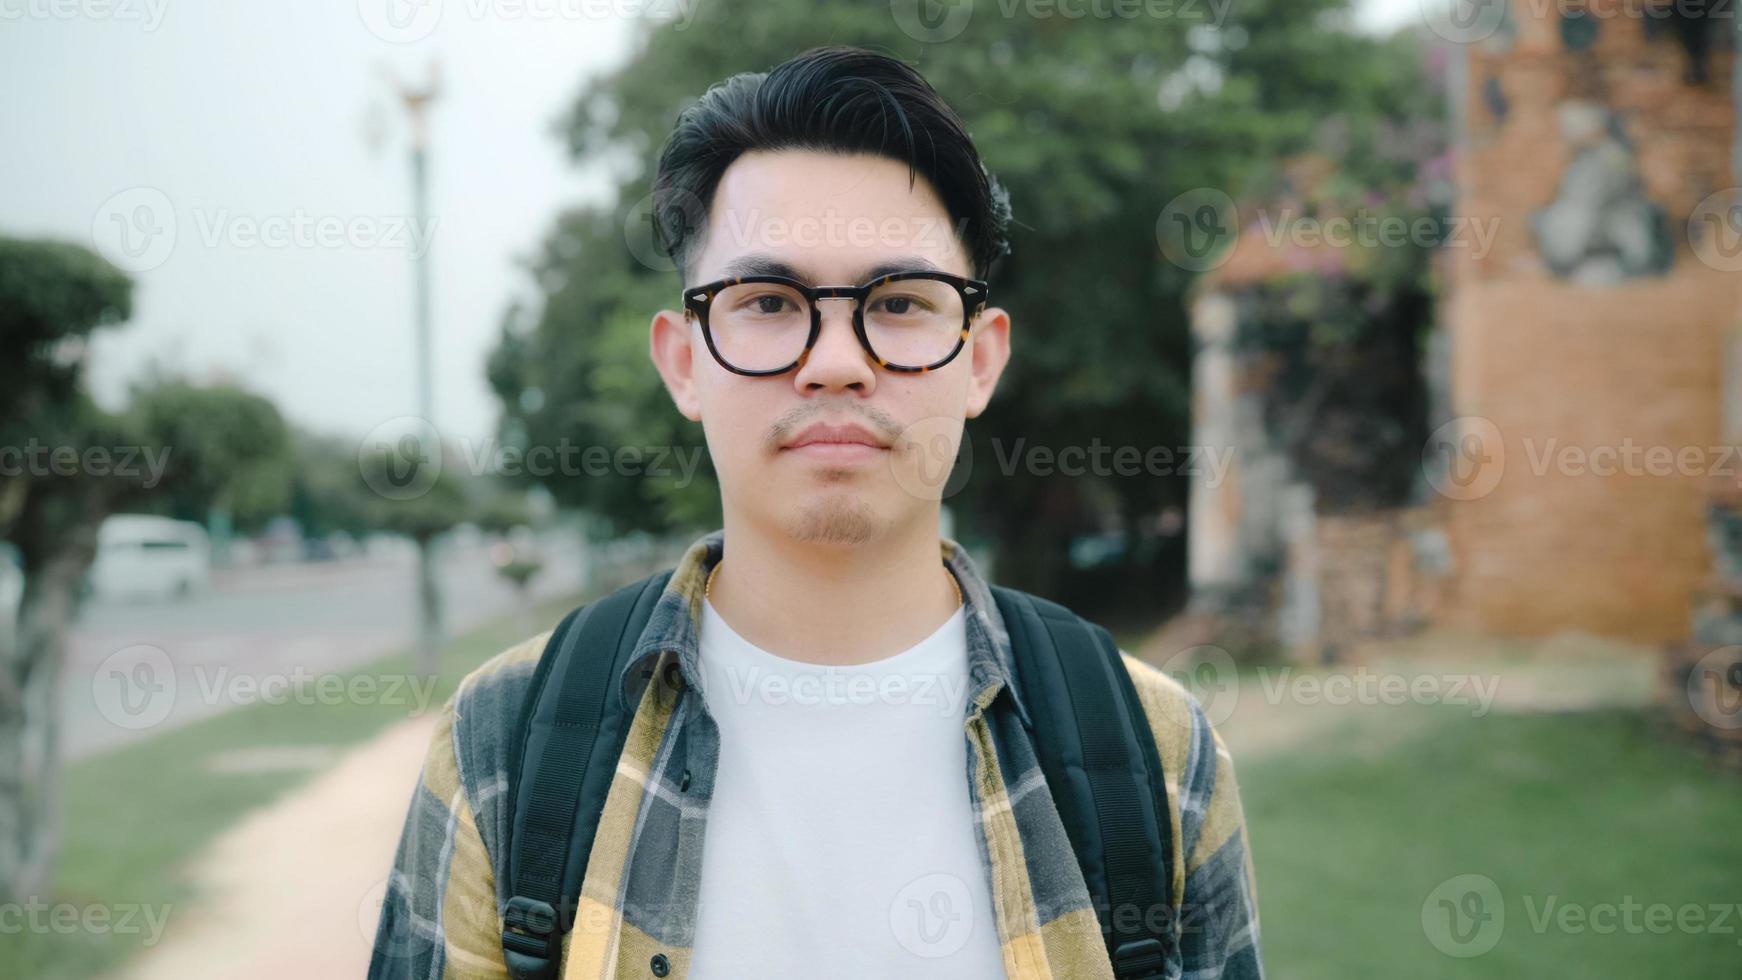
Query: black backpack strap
x=572, y=730
x=1102, y=768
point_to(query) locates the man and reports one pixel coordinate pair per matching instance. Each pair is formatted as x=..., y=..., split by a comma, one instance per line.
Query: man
x=829, y=774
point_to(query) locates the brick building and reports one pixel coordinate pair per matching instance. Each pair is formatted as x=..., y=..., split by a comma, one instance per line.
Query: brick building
x=1580, y=369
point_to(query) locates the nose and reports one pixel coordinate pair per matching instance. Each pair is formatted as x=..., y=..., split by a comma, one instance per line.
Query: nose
x=837, y=360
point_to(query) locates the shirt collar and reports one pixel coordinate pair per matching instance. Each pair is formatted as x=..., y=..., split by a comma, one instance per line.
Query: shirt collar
x=675, y=625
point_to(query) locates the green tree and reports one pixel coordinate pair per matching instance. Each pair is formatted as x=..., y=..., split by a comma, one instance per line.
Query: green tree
x=207, y=428
x=53, y=295
x=325, y=494
x=218, y=443
x=1093, y=124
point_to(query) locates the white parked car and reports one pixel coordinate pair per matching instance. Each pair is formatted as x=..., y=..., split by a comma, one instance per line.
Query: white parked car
x=142, y=556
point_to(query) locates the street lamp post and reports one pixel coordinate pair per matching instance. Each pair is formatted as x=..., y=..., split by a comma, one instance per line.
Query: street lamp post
x=416, y=102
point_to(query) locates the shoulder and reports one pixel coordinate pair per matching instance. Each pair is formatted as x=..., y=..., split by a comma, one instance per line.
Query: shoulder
x=1158, y=689
x=488, y=699
x=482, y=723
x=1200, y=771
x=1174, y=714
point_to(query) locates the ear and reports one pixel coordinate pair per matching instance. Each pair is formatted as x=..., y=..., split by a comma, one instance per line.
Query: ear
x=988, y=352
x=672, y=343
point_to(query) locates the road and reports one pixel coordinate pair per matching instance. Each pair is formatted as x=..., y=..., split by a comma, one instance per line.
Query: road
x=137, y=669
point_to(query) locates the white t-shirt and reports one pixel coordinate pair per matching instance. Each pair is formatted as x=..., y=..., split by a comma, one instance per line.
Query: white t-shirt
x=840, y=839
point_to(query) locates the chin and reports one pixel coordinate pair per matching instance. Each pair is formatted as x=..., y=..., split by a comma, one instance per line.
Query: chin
x=833, y=518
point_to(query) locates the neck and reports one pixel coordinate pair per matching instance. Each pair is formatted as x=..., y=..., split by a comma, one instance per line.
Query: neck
x=832, y=603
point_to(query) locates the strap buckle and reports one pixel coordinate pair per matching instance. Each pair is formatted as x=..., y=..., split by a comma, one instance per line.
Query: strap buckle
x=531, y=941
x=1140, y=959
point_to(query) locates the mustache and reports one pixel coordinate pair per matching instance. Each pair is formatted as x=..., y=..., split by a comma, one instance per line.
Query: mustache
x=876, y=420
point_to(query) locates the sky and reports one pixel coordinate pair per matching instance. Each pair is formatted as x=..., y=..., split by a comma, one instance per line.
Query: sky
x=248, y=164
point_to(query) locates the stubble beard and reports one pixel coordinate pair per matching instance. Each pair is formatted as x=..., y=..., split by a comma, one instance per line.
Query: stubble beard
x=836, y=517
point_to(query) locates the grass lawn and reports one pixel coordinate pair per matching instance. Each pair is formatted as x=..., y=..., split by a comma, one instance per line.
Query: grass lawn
x=133, y=816
x=1583, y=821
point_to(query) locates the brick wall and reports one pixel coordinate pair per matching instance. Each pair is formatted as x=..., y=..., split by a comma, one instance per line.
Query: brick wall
x=1563, y=367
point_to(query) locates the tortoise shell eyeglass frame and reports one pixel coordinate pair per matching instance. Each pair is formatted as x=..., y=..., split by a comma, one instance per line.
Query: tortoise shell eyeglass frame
x=973, y=292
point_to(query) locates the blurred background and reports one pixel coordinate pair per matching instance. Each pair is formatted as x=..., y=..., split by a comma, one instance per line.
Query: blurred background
x=1376, y=374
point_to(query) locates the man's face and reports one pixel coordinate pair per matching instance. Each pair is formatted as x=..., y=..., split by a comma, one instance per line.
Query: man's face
x=829, y=220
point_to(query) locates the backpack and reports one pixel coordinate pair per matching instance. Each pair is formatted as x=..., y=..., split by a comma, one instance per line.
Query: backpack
x=1093, y=744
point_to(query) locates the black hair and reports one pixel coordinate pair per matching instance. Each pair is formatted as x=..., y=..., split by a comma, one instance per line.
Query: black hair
x=839, y=99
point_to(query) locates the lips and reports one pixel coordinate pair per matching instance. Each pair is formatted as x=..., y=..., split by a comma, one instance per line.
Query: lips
x=824, y=434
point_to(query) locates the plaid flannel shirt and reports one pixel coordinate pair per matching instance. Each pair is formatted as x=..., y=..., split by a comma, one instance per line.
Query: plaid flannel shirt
x=441, y=917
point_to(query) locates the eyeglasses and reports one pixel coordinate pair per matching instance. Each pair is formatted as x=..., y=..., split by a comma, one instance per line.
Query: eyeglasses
x=911, y=322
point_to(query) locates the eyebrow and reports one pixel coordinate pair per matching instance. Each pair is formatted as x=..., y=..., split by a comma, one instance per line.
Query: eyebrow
x=757, y=264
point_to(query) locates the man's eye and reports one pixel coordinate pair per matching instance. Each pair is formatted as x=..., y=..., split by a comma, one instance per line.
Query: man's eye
x=768, y=304
x=901, y=305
